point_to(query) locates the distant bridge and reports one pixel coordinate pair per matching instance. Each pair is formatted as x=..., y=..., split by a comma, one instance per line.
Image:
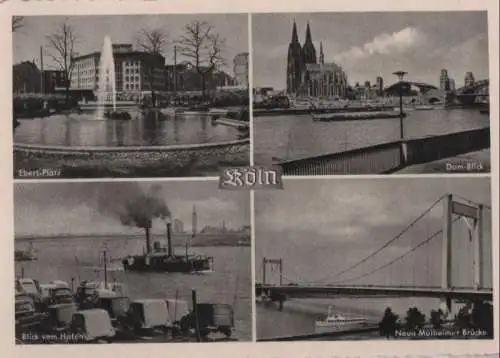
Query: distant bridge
x=454, y=208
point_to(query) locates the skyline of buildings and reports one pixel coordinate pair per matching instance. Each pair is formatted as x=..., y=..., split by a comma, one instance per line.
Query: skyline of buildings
x=367, y=45
x=132, y=71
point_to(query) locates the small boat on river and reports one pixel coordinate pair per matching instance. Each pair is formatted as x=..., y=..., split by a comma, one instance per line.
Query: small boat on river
x=336, y=322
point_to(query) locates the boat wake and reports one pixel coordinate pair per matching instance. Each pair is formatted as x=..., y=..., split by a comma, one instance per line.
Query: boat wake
x=98, y=268
x=203, y=272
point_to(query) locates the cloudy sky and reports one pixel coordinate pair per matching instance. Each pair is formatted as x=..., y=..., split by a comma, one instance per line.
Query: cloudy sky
x=367, y=45
x=86, y=208
x=320, y=227
x=91, y=30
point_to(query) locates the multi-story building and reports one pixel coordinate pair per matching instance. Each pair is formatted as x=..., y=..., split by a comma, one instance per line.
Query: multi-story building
x=54, y=81
x=26, y=78
x=183, y=77
x=444, y=80
x=178, y=226
x=453, y=86
x=380, y=85
x=310, y=76
x=135, y=71
x=240, y=69
x=469, y=79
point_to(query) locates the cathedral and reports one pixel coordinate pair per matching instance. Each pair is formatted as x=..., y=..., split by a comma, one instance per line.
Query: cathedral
x=308, y=75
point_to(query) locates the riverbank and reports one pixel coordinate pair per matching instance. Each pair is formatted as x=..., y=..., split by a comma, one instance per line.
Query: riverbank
x=200, y=240
x=352, y=116
x=260, y=112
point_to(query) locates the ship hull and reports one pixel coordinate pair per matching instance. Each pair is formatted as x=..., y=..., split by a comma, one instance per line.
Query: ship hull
x=167, y=264
x=323, y=327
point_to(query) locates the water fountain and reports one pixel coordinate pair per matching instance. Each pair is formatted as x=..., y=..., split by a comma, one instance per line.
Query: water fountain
x=106, y=89
x=115, y=140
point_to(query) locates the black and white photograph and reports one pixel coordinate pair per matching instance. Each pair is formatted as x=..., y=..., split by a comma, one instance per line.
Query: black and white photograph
x=130, y=95
x=371, y=92
x=121, y=262
x=374, y=259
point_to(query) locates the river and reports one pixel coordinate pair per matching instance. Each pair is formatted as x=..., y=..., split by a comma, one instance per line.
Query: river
x=297, y=136
x=307, y=259
x=79, y=258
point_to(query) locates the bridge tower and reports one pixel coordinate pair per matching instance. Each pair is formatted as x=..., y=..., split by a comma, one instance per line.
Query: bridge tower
x=473, y=213
x=272, y=263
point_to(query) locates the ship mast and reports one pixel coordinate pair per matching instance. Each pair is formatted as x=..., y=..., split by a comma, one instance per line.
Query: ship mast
x=169, y=237
x=194, y=220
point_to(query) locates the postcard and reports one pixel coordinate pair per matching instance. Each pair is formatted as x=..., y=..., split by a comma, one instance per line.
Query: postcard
x=306, y=179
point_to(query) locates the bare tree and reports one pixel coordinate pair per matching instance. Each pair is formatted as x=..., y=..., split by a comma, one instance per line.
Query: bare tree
x=202, y=46
x=62, y=50
x=153, y=42
x=17, y=23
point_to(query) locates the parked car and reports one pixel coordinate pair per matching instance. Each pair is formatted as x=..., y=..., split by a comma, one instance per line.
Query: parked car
x=149, y=315
x=92, y=326
x=212, y=318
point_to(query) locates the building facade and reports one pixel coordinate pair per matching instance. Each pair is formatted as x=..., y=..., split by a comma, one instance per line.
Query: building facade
x=444, y=80
x=183, y=77
x=54, y=81
x=26, y=78
x=178, y=226
x=308, y=74
x=135, y=71
x=469, y=79
x=240, y=69
x=380, y=86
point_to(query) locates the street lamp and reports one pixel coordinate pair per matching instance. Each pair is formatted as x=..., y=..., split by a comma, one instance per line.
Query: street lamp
x=400, y=75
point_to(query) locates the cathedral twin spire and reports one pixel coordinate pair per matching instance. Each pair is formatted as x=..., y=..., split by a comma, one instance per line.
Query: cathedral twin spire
x=299, y=56
x=308, y=50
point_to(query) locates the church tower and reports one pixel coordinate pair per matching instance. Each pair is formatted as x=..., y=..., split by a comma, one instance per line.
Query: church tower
x=194, y=221
x=321, y=54
x=308, y=50
x=294, y=63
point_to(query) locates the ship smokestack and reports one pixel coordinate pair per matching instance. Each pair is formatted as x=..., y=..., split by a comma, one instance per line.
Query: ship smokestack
x=148, y=240
x=169, y=238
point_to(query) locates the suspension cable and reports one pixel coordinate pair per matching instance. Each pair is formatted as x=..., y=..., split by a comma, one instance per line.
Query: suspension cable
x=399, y=257
x=366, y=258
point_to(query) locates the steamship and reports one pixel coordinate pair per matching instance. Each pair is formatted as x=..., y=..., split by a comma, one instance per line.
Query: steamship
x=161, y=259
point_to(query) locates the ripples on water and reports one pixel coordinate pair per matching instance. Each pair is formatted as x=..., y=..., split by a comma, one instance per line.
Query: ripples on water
x=293, y=137
x=84, y=130
x=230, y=283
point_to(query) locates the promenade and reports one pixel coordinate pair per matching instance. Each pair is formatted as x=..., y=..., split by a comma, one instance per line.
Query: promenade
x=473, y=162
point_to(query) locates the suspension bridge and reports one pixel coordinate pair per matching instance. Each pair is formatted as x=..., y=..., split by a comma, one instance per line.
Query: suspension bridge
x=441, y=264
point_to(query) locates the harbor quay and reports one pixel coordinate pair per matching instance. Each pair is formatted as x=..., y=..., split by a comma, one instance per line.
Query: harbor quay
x=144, y=272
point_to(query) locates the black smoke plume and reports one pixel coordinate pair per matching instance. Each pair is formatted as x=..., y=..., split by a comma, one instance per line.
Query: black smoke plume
x=134, y=206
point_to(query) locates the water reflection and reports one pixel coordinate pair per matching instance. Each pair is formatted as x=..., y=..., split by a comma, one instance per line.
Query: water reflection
x=298, y=136
x=152, y=129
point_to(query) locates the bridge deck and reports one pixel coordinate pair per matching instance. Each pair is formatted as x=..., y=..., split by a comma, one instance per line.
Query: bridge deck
x=305, y=291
